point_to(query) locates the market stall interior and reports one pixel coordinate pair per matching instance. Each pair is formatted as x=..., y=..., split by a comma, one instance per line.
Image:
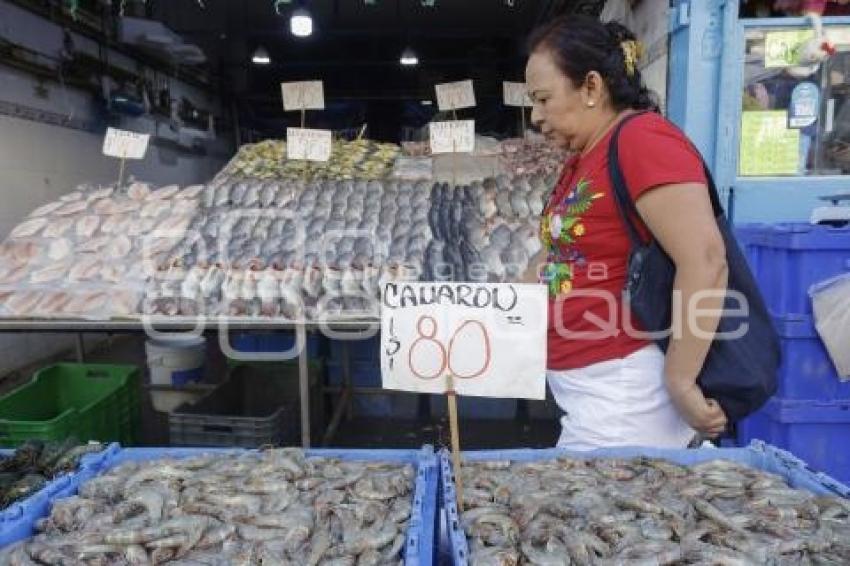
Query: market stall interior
x=267, y=246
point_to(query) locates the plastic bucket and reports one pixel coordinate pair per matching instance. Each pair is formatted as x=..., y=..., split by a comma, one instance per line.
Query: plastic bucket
x=176, y=362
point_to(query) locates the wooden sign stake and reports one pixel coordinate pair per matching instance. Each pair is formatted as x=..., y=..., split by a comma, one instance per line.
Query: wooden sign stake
x=453, y=426
x=121, y=171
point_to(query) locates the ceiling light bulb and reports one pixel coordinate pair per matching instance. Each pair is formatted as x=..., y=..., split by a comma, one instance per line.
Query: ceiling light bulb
x=408, y=58
x=261, y=57
x=301, y=23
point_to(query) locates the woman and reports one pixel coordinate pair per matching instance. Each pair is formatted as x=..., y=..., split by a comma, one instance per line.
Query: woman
x=615, y=386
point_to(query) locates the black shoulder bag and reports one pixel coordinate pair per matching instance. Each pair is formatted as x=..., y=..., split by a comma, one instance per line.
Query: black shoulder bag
x=739, y=373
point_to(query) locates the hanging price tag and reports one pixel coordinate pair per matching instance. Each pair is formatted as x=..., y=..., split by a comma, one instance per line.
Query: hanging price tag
x=490, y=338
x=303, y=95
x=516, y=94
x=784, y=48
x=454, y=96
x=125, y=145
x=453, y=136
x=307, y=144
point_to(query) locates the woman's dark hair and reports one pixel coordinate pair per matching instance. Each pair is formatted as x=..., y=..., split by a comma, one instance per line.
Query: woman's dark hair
x=581, y=44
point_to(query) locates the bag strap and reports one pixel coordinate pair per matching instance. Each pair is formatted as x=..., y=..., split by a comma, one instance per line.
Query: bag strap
x=625, y=203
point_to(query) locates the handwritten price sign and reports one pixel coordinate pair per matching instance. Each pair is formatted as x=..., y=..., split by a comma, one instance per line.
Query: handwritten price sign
x=516, y=94
x=454, y=96
x=303, y=95
x=453, y=136
x=125, y=145
x=491, y=338
x=312, y=145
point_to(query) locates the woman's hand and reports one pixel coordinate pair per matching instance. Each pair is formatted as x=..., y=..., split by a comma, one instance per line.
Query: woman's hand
x=704, y=415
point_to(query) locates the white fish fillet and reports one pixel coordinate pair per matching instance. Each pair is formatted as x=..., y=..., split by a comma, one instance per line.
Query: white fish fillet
x=57, y=227
x=94, y=245
x=125, y=206
x=155, y=208
x=46, y=209
x=72, y=208
x=85, y=270
x=71, y=197
x=111, y=273
x=190, y=192
x=49, y=273
x=52, y=303
x=123, y=302
x=98, y=194
x=22, y=303
x=90, y=303
x=119, y=247
x=138, y=191
x=28, y=228
x=141, y=226
x=60, y=249
x=13, y=274
x=87, y=226
x=164, y=193
x=173, y=226
x=19, y=252
x=105, y=206
x=111, y=224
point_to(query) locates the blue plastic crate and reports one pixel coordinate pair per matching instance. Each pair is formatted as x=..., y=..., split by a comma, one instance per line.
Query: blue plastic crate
x=757, y=455
x=475, y=407
x=276, y=341
x=17, y=520
x=368, y=374
x=420, y=548
x=367, y=350
x=806, y=371
x=816, y=431
x=789, y=258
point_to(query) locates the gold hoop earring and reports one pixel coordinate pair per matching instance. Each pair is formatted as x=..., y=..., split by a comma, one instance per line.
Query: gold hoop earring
x=590, y=104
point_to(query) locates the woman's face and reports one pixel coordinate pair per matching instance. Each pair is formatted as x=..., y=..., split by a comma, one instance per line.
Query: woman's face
x=560, y=109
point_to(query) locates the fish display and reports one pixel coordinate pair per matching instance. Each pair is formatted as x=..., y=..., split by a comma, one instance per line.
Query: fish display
x=275, y=506
x=249, y=247
x=359, y=159
x=34, y=463
x=521, y=157
x=646, y=511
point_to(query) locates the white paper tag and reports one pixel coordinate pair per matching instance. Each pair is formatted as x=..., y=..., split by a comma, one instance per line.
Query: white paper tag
x=453, y=136
x=303, y=95
x=312, y=145
x=125, y=145
x=516, y=94
x=454, y=96
x=491, y=338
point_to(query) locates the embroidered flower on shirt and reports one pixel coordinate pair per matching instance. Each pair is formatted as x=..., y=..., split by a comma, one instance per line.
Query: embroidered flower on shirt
x=560, y=229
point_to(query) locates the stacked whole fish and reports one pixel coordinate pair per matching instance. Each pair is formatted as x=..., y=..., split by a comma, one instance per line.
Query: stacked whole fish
x=486, y=231
x=277, y=248
x=294, y=248
x=89, y=253
x=521, y=157
x=646, y=511
x=270, y=507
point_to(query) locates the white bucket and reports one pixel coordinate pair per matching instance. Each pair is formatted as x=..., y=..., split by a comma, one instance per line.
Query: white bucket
x=167, y=401
x=176, y=362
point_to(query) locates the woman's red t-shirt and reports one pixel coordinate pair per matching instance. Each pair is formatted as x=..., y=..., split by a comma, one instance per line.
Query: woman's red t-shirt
x=588, y=243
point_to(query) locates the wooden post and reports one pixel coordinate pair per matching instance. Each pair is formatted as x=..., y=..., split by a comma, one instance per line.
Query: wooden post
x=455, y=435
x=121, y=171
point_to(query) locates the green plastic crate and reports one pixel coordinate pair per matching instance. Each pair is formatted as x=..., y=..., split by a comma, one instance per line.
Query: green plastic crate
x=89, y=401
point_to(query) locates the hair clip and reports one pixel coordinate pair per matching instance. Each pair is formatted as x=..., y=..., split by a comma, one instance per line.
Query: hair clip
x=632, y=52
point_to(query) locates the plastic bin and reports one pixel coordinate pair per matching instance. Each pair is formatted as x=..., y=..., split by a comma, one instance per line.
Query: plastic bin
x=249, y=410
x=757, y=455
x=89, y=401
x=17, y=520
x=420, y=547
x=789, y=258
x=475, y=408
x=367, y=350
x=807, y=371
x=816, y=431
x=368, y=374
x=278, y=341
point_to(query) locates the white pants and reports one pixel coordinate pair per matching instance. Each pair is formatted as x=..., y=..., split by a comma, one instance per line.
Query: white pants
x=620, y=402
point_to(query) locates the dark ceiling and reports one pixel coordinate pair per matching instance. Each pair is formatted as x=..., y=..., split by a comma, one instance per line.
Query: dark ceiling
x=355, y=50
